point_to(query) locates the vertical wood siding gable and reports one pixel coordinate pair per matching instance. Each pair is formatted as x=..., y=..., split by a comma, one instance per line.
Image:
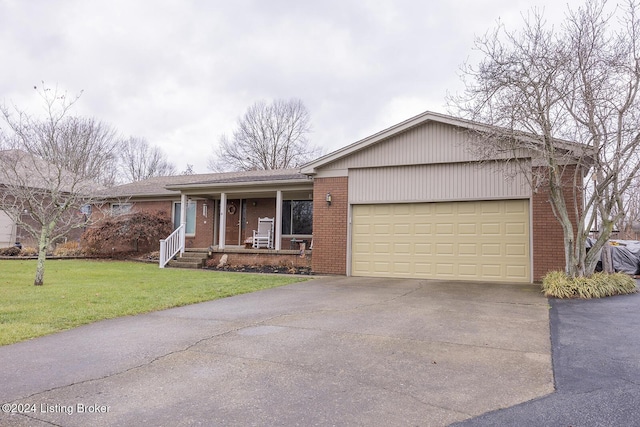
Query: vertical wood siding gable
x=431, y=142
x=438, y=182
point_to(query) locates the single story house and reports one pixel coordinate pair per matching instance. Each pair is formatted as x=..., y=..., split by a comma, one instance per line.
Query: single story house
x=410, y=201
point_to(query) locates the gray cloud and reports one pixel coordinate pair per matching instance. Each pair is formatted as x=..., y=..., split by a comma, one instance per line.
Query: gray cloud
x=179, y=73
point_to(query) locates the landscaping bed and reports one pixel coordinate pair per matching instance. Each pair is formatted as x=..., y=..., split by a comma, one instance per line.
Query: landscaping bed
x=272, y=269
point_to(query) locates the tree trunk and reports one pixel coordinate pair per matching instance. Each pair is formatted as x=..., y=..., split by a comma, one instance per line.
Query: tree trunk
x=607, y=260
x=42, y=255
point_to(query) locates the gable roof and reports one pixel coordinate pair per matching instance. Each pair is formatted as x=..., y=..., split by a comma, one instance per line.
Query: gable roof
x=428, y=116
x=170, y=185
x=19, y=168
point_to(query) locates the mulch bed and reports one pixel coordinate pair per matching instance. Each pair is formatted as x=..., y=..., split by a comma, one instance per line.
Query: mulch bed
x=264, y=269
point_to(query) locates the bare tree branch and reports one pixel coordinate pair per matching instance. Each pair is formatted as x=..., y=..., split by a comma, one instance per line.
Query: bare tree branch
x=139, y=161
x=268, y=136
x=50, y=168
x=540, y=87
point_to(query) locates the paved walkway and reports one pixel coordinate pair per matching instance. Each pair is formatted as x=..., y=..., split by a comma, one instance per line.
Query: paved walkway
x=596, y=360
x=334, y=351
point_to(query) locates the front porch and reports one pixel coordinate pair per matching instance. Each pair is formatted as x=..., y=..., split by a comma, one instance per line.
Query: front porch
x=222, y=216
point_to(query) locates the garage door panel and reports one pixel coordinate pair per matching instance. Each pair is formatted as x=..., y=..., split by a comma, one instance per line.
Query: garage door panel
x=444, y=249
x=443, y=209
x=444, y=229
x=402, y=249
x=422, y=229
x=422, y=249
x=467, y=249
x=517, y=271
x=422, y=267
x=471, y=229
x=491, y=249
x=444, y=269
x=491, y=229
x=468, y=270
x=485, y=240
x=515, y=250
x=402, y=228
x=515, y=229
x=492, y=271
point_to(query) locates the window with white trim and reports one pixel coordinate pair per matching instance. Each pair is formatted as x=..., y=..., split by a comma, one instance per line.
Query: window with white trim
x=191, y=216
x=120, y=208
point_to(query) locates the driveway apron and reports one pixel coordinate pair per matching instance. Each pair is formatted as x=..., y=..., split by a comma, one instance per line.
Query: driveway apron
x=329, y=351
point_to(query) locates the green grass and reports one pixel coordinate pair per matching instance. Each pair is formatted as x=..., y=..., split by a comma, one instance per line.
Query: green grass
x=78, y=292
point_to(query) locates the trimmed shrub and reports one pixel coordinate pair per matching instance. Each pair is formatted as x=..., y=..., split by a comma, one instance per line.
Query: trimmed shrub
x=68, y=249
x=28, y=251
x=558, y=285
x=134, y=232
x=12, y=251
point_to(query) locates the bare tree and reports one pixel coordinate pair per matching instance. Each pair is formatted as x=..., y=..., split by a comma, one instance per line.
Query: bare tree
x=139, y=161
x=268, y=136
x=188, y=170
x=542, y=86
x=49, y=168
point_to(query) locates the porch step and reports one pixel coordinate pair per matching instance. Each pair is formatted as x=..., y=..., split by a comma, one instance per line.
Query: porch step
x=180, y=263
x=190, y=259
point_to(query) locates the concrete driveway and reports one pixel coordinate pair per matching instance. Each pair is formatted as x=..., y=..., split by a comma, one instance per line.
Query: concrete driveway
x=330, y=351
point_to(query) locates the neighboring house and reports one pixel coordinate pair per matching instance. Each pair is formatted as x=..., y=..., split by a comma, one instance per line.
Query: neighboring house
x=35, y=179
x=7, y=230
x=410, y=201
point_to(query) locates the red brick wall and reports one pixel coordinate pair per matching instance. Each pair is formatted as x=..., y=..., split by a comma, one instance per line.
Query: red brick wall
x=330, y=226
x=264, y=208
x=204, y=225
x=548, y=240
x=279, y=260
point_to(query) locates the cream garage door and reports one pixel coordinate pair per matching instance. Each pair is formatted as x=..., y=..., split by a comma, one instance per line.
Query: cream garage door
x=479, y=240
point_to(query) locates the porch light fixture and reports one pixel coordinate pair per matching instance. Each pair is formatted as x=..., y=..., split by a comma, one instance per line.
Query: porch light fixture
x=328, y=199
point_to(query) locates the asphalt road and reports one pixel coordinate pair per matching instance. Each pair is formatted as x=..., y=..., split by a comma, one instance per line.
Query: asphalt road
x=596, y=363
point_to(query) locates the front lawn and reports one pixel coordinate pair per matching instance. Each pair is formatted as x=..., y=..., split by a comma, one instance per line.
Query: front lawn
x=77, y=292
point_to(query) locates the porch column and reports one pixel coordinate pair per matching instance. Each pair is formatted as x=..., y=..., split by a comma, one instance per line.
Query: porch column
x=223, y=220
x=278, y=220
x=183, y=221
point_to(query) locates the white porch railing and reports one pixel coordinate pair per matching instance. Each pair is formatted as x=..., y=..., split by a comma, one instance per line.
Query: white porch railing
x=170, y=246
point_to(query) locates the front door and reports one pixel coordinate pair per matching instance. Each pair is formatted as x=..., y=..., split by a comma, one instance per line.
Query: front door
x=232, y=229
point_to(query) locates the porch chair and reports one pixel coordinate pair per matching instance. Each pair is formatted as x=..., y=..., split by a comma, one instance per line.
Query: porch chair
x=263, y=236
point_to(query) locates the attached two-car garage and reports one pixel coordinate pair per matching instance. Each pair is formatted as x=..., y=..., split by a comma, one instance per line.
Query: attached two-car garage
x=467, y=240
x=425, y=199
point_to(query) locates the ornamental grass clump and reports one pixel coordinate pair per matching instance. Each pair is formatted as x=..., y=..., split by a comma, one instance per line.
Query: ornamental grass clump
x=558, y=285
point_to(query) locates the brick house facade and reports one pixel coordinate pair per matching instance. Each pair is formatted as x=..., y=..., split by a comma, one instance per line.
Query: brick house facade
x=330, y=225
x=421, y=164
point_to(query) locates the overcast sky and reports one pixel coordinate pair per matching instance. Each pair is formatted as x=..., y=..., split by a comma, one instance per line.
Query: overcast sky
x=180, y=73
